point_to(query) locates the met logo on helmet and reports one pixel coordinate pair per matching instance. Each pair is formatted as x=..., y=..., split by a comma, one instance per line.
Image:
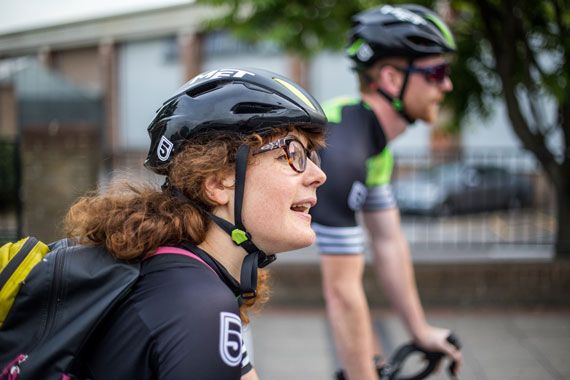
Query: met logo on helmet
x=164, y=149
x=221, y=73
x=403, y=14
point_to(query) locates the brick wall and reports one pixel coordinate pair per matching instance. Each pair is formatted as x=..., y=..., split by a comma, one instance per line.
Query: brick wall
x=59, y=165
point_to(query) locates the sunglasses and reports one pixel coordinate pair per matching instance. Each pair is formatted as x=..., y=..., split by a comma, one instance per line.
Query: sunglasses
x=295, y=151
x=432, y=74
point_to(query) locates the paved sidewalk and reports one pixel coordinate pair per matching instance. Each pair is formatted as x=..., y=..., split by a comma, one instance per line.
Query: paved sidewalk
x=445, y=253
x=522, y=345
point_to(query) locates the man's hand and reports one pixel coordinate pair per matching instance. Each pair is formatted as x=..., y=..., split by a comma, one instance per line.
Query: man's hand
x=435, y=339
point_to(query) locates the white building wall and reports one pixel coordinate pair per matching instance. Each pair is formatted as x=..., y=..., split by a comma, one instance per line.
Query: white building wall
x=277, y=64
x=149, y=72
x=331, y=76
x=222, y=50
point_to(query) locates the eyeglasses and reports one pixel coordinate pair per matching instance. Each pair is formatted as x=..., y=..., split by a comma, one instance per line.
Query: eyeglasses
x=295, y=151
x=433, y=74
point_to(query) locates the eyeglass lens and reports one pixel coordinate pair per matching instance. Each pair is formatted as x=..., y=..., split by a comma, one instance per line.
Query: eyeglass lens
x=438, y=73
x=298, y=156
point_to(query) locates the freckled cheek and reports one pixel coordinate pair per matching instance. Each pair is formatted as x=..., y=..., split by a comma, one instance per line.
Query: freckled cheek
x=268, y=199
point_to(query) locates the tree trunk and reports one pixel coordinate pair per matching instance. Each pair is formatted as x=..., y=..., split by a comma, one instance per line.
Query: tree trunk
x=562, y=245
x=299, y=70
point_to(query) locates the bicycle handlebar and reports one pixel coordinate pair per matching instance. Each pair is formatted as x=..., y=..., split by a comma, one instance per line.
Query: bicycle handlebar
x=394, y=366
x=432, y=359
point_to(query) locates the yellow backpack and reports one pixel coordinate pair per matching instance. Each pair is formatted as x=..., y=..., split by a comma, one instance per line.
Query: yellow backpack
x=52, y=298
x=16, y=261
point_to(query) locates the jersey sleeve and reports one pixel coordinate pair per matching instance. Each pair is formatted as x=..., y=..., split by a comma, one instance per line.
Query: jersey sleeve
x=380, y=194
x=246, y=364
x=205, y=343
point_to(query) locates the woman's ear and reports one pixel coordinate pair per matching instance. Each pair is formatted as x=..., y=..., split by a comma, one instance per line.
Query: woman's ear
x=219, y=189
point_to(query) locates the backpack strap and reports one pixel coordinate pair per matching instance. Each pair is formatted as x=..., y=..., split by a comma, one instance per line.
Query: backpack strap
x=16, y=261
x=165, y=250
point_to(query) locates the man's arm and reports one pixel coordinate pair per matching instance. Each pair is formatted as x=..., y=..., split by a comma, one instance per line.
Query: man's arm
x=394, y=266
x=251, y=375
x=348, y=314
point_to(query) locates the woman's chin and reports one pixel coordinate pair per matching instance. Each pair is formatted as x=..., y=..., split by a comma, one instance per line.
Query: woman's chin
x=303, y=240
x=299, y=241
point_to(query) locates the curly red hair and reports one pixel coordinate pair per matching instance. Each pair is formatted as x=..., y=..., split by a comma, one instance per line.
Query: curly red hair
x=132, y=220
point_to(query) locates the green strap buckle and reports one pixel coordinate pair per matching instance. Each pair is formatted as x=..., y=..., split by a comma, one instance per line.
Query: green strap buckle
x=239, y=236
x=397, y=104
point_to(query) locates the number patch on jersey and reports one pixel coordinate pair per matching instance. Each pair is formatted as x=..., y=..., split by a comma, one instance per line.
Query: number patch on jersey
x=357, y=195
x=230, y=339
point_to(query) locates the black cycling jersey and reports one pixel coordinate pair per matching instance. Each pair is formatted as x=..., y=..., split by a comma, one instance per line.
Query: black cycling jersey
x=357, y=162
x=180, y=321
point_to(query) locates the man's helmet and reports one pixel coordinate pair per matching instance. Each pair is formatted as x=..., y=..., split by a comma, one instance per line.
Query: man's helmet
x=239, y=101
x=408, y=31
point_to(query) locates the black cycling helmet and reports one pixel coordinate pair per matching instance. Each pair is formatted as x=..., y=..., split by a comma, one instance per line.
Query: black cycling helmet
x=240, y=101
x=408, y=31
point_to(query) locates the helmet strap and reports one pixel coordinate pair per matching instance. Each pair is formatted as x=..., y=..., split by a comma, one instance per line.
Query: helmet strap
x=397, y=103
x=241, y=167
x=255, y=257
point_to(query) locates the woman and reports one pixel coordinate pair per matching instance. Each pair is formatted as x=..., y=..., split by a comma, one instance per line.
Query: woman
x=238, y=149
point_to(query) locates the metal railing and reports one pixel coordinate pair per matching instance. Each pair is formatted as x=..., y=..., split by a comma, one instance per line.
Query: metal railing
x=488, y=198
x=522, y=222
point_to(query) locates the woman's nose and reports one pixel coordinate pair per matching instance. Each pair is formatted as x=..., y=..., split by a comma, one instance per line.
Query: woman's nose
x=316, y=176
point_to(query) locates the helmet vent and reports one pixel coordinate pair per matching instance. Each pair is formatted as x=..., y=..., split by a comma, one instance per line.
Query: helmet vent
x=247, y=108
x=200, y=90
x=419, y=41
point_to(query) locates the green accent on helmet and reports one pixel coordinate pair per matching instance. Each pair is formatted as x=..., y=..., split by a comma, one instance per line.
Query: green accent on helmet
x=356, y=45
x=398, y=104
x=291, y=87
x=379, y=168
x=333, y=108
x=443, y=29
x=239, y=236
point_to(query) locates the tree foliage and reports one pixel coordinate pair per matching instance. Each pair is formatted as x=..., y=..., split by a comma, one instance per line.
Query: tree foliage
x=521, y=55
x=514, y=51
x=297, y=26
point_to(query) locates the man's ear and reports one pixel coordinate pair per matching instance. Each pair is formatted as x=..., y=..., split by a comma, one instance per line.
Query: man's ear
x=219, y=188
x=390, y=80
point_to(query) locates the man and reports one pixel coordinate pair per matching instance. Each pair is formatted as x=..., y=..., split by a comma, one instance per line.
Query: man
x=399, y=54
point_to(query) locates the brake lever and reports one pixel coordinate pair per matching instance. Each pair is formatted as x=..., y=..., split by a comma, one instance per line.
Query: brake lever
x=454, y=340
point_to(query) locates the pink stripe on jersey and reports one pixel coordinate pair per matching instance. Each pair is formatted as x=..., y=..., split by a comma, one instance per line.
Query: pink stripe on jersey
x=179, y=251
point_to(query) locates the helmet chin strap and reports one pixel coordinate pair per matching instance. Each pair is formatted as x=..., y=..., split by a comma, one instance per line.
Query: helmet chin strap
x=255, y=257
x=398, y=102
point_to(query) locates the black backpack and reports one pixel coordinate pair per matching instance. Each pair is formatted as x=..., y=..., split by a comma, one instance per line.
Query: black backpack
x=60, y=300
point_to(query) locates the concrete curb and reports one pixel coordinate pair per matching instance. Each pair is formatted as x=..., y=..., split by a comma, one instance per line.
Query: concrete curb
x=464, y=285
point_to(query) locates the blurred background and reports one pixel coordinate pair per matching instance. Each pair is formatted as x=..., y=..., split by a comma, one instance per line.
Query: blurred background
x=484, y=195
